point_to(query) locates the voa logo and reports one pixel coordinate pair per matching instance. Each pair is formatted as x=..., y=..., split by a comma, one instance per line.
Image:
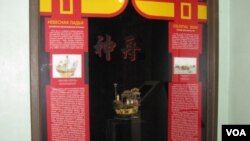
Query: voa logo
x=236, y=132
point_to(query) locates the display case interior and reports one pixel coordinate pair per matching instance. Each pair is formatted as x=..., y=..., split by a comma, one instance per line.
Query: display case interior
x=134, y=54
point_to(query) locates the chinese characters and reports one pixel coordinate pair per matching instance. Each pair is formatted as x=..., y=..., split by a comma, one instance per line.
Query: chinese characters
x=107, y=46
x=131, y=48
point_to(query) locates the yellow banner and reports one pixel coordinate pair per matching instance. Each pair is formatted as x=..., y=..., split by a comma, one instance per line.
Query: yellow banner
x=102, y=7
x=46, y=6
x=155, y=9
x=110, y=8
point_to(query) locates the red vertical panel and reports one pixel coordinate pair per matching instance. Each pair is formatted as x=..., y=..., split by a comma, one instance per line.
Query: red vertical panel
x=67, y=95
x=184, y=112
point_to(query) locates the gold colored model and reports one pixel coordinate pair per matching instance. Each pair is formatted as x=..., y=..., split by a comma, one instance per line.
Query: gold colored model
x=127, y=104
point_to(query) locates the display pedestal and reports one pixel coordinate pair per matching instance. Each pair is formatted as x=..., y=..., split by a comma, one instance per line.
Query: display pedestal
x=123, y=129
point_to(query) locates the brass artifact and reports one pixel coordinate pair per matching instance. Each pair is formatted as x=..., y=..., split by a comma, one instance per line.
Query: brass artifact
x=127, y=104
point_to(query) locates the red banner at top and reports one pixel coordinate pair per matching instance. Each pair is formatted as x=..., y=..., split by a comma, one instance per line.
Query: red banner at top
x=66, y=8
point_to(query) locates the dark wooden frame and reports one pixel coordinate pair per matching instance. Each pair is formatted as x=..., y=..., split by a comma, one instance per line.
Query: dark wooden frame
x=213, y=56
x=212, y=96
x=34, y=71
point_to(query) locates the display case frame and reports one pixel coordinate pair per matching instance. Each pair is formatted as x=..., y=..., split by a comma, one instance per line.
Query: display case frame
x=212, y=66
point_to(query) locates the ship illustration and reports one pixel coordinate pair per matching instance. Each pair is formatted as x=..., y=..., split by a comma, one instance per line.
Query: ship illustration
x=127, y=103
x=65, y=68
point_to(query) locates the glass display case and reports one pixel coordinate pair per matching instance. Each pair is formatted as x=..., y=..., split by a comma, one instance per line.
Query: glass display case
x=132, y=71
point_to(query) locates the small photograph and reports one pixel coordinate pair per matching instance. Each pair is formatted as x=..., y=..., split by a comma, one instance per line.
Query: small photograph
x=185, y=65
x=67, y=65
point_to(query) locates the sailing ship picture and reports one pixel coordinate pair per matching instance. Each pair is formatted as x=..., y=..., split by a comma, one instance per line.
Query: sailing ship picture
x=185, y=65
x=67, y=65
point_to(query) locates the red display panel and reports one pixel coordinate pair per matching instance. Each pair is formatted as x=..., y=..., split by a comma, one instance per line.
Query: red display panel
x=184, y=112
x=67, y=113
x=67, y=94
x=66, y=35
x=185, y=38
